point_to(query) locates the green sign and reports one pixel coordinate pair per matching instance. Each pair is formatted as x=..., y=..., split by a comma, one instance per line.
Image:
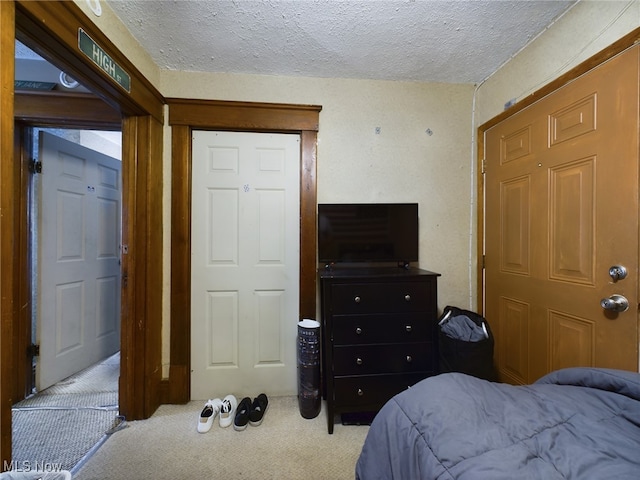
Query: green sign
x=92, y=50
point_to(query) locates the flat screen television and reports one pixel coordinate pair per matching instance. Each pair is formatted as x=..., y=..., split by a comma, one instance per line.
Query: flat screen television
x=367, y=232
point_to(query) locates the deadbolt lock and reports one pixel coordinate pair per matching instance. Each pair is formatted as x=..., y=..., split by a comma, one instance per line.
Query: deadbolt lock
x=617, y=272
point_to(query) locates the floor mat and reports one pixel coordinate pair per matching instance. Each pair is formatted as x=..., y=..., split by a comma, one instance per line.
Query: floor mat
x=56, y=428
x=57, y=439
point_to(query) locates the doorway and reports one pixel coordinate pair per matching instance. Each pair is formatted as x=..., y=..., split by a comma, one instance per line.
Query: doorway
x=74, y=214
x=51, y=30
x=187, y=115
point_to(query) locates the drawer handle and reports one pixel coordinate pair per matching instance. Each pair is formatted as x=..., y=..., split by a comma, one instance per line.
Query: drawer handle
x=360, y=392
x=358, y=330
x=409, y=359
x=359, y=361
x=407, y=297
x=408, y=328
x=357, y=299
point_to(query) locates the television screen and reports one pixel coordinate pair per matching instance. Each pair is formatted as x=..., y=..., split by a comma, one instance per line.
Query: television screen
x=367, y=232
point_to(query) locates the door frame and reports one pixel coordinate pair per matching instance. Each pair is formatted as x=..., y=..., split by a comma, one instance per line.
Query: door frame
x=44, y=110
x=599, y=58
x=186, y=115
x=51, y=29
x=24, y=125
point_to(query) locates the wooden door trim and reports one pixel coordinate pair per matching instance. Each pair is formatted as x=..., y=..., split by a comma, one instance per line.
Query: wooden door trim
x=186, y=115
x=599, y=58
x=68, y=110
x=9, y=186
x=51, y=29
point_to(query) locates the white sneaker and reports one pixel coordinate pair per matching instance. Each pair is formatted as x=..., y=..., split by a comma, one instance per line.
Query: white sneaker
x=228, y=410
x=209, y=412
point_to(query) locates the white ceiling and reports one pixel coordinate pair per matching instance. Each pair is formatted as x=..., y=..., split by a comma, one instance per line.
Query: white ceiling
x=453, y=41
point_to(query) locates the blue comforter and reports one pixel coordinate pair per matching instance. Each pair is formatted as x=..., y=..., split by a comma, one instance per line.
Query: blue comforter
x=576, y=423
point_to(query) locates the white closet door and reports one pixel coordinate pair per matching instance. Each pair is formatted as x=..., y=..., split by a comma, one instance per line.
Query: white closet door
x=245, y=263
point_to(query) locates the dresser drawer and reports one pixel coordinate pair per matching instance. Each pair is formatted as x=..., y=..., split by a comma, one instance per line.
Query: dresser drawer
x=372, y=389
x=382, y=328
x=389, y=358
x=400, y=297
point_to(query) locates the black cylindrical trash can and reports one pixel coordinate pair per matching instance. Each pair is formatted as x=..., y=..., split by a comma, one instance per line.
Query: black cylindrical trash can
x=309, y=368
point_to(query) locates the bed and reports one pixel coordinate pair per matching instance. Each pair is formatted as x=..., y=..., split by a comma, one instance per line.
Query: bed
x=575, y=423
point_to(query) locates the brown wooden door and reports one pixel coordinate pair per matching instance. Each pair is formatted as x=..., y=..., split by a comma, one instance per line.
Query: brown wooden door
x=561, y=209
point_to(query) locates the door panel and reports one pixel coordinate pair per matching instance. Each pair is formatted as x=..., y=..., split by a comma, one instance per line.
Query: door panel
x=245, y=263
x=79, y=266
x=561, y=209
x=572, y=200
x=513, y=352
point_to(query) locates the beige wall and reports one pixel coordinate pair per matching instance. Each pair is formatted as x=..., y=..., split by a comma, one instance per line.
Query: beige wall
x=403, y=162
x=587, y=28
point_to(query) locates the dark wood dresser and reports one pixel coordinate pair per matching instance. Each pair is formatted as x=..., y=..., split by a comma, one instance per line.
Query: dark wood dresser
x=379, y=335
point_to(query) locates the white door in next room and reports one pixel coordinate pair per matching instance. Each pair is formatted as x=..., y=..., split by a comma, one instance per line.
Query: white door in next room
x=78, y=308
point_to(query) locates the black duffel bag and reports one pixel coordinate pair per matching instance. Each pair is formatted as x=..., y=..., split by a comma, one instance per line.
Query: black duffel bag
x=465, y=344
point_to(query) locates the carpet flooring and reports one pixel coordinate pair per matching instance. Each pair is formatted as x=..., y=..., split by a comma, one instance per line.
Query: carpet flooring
x=58, y=427
x=287, y=446
x=75, y=424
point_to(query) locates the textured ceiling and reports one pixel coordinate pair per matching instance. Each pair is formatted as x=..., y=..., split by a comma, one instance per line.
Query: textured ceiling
x=454, y=41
